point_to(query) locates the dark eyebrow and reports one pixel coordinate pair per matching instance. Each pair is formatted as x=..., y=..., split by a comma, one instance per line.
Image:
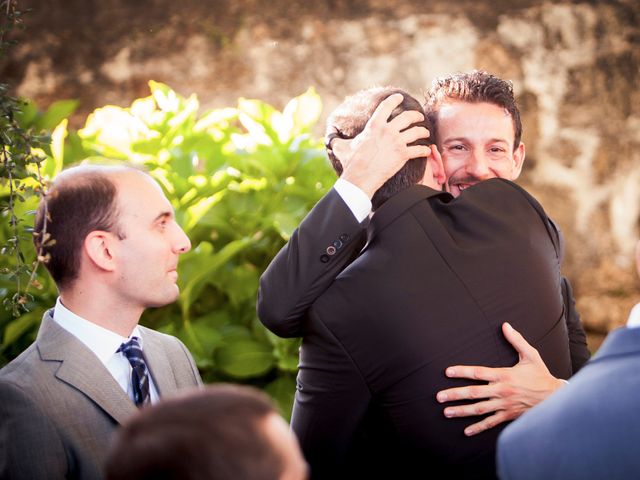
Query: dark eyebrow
x=464, y=139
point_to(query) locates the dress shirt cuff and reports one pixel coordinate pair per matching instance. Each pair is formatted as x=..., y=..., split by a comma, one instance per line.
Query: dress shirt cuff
x=357, y=201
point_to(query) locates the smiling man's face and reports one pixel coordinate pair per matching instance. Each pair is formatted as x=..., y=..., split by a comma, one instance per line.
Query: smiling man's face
x=476, y=143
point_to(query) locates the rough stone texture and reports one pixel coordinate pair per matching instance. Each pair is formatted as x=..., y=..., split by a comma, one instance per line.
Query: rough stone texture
x=575, y=68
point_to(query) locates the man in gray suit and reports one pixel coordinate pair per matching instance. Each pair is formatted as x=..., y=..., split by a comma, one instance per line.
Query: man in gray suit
x=112, y=246
x=590, y=428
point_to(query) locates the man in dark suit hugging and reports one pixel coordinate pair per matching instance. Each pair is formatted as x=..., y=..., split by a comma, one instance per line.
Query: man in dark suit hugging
x=433, y=285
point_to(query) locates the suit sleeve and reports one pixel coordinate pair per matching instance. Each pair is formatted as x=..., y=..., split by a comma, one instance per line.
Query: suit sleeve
x=30, y=445
x=577, y=336
x=326, y=241
x=330, y=404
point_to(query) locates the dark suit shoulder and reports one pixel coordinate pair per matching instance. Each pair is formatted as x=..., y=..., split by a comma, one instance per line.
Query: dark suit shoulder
x=496, y=191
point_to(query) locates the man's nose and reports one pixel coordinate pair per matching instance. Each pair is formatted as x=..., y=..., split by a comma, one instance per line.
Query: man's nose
x=182, y=243
x=478, y=165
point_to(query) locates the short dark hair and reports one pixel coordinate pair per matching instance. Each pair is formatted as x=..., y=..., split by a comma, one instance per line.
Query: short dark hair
x=473, y=87
x=350, y=118
x=80, y=201
x=212, y=433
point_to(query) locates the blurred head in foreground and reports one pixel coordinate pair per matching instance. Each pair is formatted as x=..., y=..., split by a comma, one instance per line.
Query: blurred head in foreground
x=219, y=432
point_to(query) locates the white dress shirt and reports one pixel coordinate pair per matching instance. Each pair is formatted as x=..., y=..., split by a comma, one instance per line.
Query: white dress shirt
x=103, y=343
x=634, y=317
x=357, y=201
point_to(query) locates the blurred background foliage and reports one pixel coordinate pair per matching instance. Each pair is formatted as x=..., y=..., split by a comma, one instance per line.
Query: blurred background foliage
x=240, y=180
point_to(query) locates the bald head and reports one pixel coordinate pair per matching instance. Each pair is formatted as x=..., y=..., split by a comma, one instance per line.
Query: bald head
x=82, y=199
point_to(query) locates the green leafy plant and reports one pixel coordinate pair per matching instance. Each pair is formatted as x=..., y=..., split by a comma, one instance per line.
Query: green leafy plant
x=240, y=180
x=23, y=141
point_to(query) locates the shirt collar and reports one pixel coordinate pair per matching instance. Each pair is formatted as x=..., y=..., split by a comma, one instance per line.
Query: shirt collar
x=101, y=341
x=634, y=317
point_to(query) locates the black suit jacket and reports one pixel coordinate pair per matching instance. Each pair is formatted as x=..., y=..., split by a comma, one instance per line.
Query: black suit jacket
x=431, y=289
x=303, y=270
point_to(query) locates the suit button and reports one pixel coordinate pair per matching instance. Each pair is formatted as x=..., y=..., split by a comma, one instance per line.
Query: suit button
x=324, y=258
x=337, y=244
x=331, y=250
x=344, y=237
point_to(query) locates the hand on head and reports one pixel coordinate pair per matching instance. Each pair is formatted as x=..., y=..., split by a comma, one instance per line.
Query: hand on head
x=383, y=147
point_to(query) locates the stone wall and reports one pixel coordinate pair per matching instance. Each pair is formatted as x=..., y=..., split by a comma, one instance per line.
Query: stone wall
x=575, y=67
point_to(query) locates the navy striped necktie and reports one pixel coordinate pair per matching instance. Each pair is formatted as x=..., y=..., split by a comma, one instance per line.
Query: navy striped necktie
x=139, y=371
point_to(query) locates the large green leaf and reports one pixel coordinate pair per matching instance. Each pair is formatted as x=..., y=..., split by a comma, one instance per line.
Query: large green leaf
x=198, y=280
x=57, y=112
x=245, y=358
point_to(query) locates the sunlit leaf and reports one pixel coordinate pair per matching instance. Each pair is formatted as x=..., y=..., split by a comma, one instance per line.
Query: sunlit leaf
x=301, y=113
x=197, y=211
x=53, y=165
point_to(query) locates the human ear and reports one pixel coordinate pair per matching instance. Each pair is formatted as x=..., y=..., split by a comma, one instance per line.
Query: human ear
x=518, y=161
x=437, y=166
x=99, y=248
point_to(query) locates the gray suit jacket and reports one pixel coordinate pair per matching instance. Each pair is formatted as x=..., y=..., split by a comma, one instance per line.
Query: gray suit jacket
x=589, y=429
x=59, y=406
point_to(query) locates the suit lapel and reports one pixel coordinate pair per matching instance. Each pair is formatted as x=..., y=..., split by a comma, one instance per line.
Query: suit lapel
x=158, y=362
x=81, y=369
